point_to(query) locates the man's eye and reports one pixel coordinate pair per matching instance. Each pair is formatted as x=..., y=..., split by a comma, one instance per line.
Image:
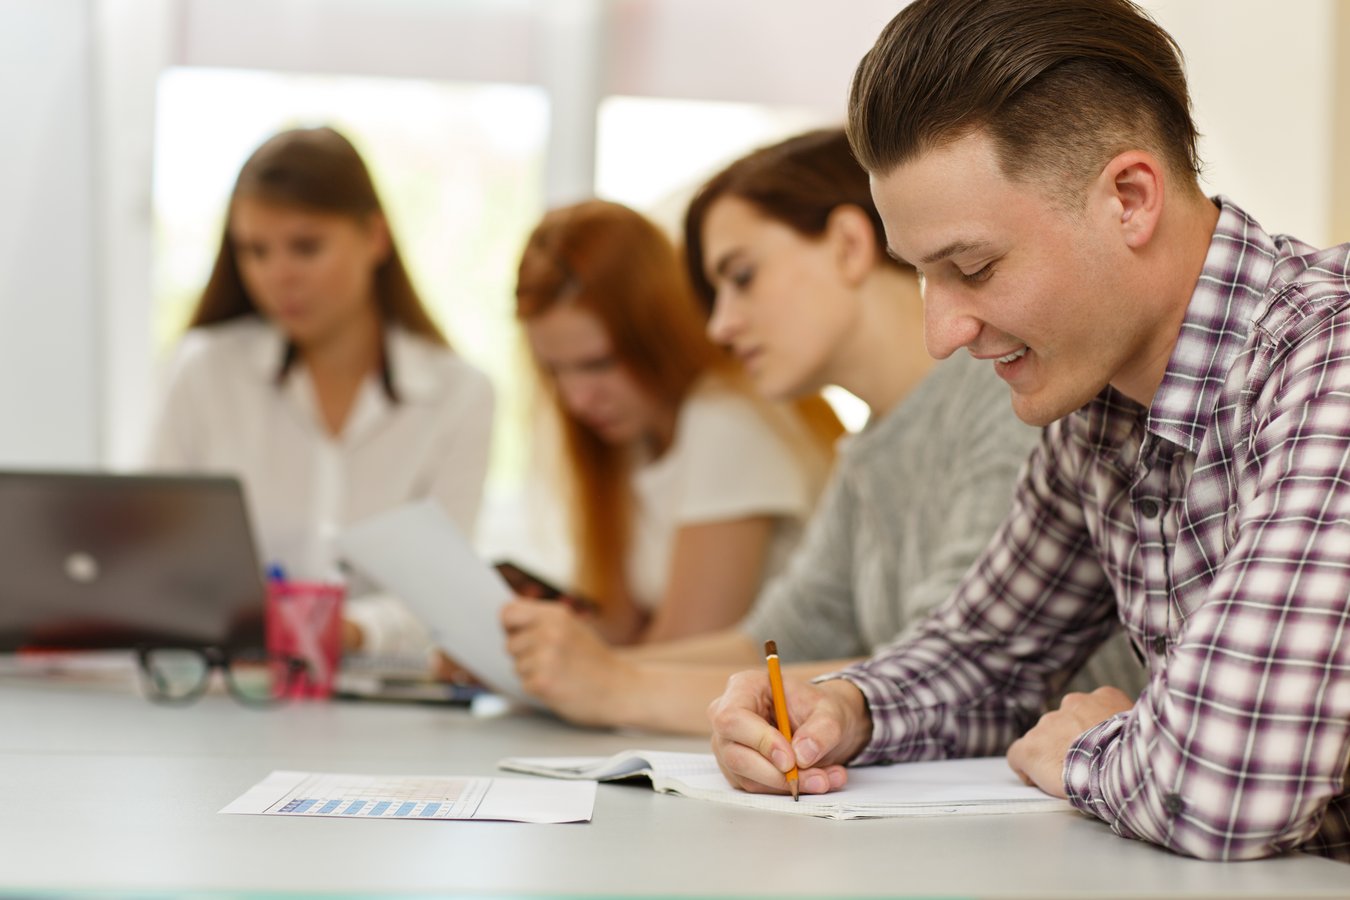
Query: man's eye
x=980, y=275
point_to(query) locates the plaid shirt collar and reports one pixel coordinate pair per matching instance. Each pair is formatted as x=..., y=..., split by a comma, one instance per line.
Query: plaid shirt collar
x=1227, y=300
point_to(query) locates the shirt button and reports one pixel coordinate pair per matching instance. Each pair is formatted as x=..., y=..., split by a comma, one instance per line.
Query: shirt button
x=1174, y=804
x=1160, y=645
x=1149, y=508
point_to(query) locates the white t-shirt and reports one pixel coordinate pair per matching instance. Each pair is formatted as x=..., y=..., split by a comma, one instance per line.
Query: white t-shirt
x=225, y=412
x=731, y=458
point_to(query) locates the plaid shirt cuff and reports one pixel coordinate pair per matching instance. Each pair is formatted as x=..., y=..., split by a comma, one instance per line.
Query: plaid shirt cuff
x=879, y=694
x=1083, y=767
x=900, y=733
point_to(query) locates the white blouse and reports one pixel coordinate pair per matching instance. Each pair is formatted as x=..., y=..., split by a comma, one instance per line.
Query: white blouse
x=732, y=457
x=225, y=412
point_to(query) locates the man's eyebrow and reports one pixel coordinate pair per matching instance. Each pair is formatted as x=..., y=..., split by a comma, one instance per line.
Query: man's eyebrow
x=952, y=249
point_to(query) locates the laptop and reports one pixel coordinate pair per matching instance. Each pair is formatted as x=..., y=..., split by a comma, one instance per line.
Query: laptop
x=103, y=561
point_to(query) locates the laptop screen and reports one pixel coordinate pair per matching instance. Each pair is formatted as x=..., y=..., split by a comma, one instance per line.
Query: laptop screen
x=101, y=561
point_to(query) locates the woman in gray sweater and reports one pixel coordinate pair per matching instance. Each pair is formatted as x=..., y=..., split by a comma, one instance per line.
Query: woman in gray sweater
x=788, y=250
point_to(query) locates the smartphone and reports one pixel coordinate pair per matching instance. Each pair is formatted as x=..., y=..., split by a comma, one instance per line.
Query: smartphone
x=528, y=584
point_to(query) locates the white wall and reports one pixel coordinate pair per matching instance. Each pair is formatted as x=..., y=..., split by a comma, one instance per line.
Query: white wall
x=133, y=48
x=49, y=314
x=1340, y=143
x=1263, y=79
x=76, y=98
x=788, y=52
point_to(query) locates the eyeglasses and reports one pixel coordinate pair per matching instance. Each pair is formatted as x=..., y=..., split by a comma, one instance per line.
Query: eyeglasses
x=179, y=675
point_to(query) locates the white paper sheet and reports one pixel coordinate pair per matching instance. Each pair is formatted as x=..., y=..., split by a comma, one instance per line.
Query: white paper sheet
x=349, y=796
x=418, y=555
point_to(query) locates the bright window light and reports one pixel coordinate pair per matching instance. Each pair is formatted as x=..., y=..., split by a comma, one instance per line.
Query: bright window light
x=652, y=154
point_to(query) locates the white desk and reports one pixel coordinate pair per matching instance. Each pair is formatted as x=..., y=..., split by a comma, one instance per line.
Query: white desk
x=100, y=789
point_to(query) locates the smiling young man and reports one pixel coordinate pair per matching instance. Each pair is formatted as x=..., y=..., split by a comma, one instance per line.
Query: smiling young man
x=1035, y=160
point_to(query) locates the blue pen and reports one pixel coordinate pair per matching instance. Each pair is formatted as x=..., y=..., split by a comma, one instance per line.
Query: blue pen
x=275, y=573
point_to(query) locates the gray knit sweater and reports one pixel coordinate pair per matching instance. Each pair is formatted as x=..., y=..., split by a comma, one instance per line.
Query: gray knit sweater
x=914, y=498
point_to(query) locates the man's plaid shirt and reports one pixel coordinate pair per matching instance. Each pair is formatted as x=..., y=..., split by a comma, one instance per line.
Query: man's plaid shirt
x=1215, y=526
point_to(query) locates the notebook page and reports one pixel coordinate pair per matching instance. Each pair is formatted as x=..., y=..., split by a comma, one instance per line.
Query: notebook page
x=947, y=787
x=621, y=765
x=599, y=768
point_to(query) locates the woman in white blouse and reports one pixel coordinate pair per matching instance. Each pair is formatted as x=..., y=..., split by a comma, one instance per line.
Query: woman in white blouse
x=312, y=371
x=687, y=489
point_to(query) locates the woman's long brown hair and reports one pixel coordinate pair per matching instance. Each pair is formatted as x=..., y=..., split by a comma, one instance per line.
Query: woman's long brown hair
x=315, y=169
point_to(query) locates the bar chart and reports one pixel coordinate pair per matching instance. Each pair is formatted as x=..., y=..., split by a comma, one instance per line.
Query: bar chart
x=380, y=796
x=416, y=797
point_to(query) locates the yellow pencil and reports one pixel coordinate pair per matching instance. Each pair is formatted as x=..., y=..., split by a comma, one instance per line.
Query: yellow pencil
x=780, y=711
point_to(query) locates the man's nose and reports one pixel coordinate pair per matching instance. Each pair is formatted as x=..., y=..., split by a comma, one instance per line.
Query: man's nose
x=947, y=326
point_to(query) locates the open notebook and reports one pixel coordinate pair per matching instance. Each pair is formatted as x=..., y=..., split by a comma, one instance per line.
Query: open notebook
x=948, y=787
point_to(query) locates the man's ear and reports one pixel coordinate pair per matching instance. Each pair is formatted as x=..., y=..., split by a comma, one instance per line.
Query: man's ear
x=850, y=231
x=1133, y=185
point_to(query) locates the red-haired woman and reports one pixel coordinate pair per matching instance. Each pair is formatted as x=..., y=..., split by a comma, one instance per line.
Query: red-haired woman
x=687, y=490
x=313, y=372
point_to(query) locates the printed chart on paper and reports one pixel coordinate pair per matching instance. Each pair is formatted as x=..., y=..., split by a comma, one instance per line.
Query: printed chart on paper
x=375, y=796
x=348, y=796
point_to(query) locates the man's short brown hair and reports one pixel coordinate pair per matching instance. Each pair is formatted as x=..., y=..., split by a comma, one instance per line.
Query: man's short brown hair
x=1061, y=86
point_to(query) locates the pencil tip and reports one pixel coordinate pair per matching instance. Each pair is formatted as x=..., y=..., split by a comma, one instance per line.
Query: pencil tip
x=795, y=798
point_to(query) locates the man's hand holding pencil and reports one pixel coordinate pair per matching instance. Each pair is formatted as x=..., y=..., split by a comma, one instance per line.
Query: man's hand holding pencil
x=828, y=722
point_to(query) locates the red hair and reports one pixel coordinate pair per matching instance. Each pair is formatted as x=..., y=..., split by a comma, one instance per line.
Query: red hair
x=614, y=263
